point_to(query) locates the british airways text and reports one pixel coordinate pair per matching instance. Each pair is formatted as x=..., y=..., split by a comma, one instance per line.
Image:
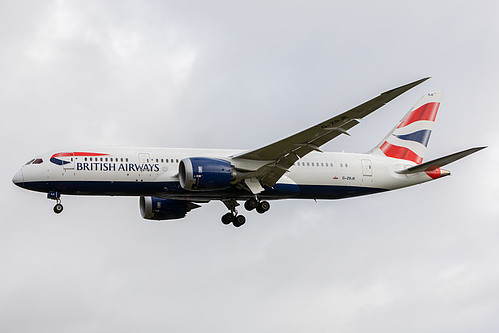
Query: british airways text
x=96, y=166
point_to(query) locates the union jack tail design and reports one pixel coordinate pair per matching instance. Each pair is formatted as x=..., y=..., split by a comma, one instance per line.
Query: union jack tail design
x=408, y=141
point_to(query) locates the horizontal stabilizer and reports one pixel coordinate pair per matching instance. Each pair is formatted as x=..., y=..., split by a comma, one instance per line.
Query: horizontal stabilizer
x=440, y=162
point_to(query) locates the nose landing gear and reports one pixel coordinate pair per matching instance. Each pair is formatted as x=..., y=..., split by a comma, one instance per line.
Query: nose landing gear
x=58, y=207
x=57, y=197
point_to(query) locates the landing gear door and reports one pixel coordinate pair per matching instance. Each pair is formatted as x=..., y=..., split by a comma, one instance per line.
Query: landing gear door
x=367, y=168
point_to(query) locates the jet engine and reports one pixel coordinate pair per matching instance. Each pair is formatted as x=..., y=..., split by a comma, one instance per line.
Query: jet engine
x=204, y=174
x=153, y=208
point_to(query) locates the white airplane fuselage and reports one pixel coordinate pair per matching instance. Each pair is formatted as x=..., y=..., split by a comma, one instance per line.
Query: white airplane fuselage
x=154, y=171
x=172, y=182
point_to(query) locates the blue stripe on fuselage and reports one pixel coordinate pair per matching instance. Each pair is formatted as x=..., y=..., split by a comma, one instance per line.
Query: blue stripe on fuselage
x=173, y=190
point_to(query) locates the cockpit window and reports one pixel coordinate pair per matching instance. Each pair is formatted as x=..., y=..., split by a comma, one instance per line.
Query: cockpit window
x=38, y=161
x=30, y=161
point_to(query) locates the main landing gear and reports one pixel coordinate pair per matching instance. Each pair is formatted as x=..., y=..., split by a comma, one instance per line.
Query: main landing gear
x=250, y=204
x=261, y=206
x=57, y=197
x=232, y=216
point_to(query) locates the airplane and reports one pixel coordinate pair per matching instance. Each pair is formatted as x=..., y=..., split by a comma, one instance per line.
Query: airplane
x=171, y=182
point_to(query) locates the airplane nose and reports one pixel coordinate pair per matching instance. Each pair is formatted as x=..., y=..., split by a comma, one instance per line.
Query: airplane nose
x=18, y=178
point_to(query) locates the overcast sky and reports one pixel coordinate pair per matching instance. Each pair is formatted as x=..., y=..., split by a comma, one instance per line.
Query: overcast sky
x=232, y=74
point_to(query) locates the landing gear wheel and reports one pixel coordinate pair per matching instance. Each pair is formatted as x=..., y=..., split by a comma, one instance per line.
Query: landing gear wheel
x=232, y=216
x=57, y=197
x=239, y=221
x=251, y=204
x=228, y=218
x=263, y=207
x=58, y=208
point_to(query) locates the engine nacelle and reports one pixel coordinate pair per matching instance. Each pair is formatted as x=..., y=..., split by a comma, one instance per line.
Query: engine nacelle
x=204, y=174
x=153, y=208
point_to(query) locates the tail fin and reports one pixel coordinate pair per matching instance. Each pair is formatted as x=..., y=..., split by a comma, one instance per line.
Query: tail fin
x=408, y=141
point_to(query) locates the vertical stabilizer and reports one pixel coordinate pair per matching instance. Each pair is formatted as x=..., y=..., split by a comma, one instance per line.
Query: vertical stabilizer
x=408, y=141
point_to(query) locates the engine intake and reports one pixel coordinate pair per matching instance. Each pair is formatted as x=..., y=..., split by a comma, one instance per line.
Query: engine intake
x=204, y=174
x=153, y=208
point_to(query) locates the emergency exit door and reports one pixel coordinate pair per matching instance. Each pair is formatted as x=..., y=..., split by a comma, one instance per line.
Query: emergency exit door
x=367, y=168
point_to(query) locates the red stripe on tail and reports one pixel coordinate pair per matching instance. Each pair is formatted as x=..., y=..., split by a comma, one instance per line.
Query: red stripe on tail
x=400, y=152
x=424, y=112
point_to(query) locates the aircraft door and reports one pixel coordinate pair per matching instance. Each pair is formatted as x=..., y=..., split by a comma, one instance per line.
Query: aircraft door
x=68, y=161
x=144, y=158
x=367, y=168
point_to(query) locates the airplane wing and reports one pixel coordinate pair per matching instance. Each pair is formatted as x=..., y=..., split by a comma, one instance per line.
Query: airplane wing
x=279, y=156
